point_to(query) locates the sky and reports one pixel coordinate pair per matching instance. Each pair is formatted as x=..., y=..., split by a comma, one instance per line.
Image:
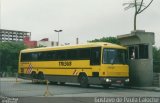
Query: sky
x=83, y=19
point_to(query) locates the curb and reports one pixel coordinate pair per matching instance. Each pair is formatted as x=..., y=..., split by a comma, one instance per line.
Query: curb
x=155, y=89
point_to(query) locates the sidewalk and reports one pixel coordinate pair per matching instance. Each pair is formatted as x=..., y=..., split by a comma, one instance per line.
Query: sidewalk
x=156, y=89
x=11, y=79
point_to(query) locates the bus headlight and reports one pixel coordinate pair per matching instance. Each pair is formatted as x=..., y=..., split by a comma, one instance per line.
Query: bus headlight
x=127, y=80
x=108, y=80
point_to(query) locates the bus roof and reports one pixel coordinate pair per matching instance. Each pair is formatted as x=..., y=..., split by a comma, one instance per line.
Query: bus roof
x=94, y=44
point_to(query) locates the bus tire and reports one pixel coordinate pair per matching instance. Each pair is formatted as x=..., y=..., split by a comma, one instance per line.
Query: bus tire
x=83, y=80
x=33, y=75
x=40, y=76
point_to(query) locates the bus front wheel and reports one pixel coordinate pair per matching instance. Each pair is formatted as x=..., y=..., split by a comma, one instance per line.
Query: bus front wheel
x=83, y=80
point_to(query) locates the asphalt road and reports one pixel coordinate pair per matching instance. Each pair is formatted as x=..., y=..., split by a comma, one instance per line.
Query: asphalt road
x=25, y=88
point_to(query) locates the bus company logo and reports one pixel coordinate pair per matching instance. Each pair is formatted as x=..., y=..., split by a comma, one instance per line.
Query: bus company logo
x=29, y=70
x=8, y=100
x=75, y=72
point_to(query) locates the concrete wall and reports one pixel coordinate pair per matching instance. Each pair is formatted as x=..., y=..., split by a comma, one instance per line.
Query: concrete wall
x=141, y=70
x=137, y=37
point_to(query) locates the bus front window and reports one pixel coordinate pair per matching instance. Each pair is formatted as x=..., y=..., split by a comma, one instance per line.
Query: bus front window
x=114, y=56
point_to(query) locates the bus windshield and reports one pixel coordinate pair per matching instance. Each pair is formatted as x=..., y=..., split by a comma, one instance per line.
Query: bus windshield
x=114, y=56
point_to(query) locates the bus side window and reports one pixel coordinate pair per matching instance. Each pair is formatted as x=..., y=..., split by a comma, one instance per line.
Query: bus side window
x=40, y=56
x=48, y=55
x=34, y=56
x=84, y=54
x=61, y=55
x=54, y=55
x=72, y=54
x=25, y=57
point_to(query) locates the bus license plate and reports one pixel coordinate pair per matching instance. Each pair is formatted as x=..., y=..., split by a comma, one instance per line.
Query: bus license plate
x=118, y=81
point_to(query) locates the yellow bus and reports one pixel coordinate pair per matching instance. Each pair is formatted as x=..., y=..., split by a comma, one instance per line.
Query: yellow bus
x=92, y=63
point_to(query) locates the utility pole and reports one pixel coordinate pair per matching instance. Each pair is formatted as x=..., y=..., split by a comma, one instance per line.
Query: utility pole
x=58, y=34
x=77, y=40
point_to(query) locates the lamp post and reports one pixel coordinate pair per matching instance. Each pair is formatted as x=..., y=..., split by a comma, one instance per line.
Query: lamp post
x=58, y=34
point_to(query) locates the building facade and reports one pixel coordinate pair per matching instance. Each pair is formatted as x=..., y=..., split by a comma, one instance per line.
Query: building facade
x=29, y=43
x=46, y=43
x=13, y=35
x=25, y=37
x=41, y=43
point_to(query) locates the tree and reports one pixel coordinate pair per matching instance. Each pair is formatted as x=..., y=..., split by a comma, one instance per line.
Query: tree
x=139, y=6
x=156, y=54
x=107, y=39
x=9, y=52
x=156, y=59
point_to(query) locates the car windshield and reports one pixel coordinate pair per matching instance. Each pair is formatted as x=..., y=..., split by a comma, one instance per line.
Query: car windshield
x=114, y=56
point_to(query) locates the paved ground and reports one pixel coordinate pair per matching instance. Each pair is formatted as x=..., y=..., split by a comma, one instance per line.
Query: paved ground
x=24, y=88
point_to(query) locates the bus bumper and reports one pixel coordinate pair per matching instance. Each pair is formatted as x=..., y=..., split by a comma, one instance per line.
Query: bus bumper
x=115, y=80
x=24, y=76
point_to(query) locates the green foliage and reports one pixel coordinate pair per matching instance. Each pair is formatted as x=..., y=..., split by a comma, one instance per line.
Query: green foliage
x=9, y=52
x=156, y=54
x=113, y=40
x=156, y=59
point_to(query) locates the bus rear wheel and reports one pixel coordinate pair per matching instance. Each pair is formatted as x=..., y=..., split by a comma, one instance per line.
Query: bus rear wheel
x=33, y=75
x=40, y=76
x=83, y=80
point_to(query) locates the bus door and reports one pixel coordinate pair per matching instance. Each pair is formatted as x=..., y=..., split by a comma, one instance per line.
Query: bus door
x=95, y=57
